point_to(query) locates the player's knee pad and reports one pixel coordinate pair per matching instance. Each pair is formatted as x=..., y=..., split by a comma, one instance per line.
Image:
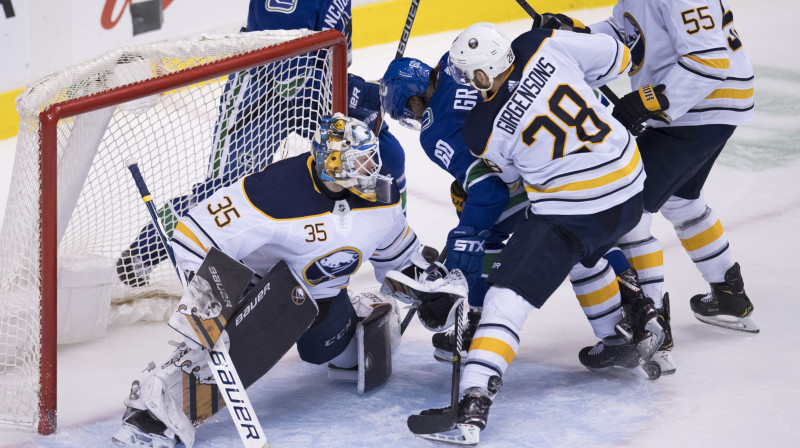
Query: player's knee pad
x=503, y=306
x=331, y=332
x=679, y=211
x=641, y=231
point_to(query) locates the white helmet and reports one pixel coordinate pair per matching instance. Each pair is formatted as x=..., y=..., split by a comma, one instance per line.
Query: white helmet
x=482, y=46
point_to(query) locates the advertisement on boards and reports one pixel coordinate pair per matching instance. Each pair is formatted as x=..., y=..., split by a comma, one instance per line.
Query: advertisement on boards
x=43, y=36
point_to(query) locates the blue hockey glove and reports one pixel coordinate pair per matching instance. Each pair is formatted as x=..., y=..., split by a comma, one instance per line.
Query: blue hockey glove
x=465, y=250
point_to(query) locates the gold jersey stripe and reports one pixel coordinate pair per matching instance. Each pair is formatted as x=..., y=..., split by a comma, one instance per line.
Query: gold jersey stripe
x=735, y=94
x=181, y=227
x=599, y=296
x=703, y=238
x=496, y=346
x=721, y=63
x=626, y=59
x=596, y=182
x=647, y=261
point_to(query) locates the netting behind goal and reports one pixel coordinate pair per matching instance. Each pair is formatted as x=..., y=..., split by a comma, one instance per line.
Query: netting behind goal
x=196, y=114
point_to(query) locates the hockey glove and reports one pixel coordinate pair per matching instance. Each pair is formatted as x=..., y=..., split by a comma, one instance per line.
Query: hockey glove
x=434, y=310
x=465, y=249
x=559, y=22
x=645, y=103
x=458, y=196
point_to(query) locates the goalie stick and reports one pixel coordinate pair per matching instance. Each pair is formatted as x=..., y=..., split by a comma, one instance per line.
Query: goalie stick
x=429, y=424
x=219, y=360
x=605, y=90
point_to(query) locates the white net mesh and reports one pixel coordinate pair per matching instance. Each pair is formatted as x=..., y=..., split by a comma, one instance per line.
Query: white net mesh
x=188, y=142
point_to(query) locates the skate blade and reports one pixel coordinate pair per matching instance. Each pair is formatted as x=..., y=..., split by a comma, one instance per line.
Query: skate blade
x=649, y=370
x=664, y=359
x=649, y=346
x=463, y=435
x=446, y=357
x=746, y=324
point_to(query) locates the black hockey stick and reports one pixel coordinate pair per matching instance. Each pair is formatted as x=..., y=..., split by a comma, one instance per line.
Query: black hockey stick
x=444, y=419
x=412, y=14
x=428, y=271
x=218, y=358
x=605, y=90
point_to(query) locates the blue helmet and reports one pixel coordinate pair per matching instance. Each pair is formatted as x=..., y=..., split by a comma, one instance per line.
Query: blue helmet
x=404, y=78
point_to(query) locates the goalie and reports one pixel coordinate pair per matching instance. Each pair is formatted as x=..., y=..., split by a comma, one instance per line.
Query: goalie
x=321, y=216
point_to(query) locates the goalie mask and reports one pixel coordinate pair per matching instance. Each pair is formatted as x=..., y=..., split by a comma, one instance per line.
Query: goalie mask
x=346, y=153
x=482, y=46
x=404, y=78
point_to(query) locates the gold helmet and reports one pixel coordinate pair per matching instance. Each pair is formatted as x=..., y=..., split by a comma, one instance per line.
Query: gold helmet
x=346, y=153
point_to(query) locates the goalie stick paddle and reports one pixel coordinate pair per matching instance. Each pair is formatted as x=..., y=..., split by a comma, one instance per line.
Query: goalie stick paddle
x=445, y=419
x=218, y=358
x=605, y=90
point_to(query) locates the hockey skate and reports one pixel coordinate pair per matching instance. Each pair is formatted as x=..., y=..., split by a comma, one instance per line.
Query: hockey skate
x=473, y=412
x=618, y=351
x=726, y=305
x=648, y=334
x=664, y=354
x=141, y=429
x=444, y=342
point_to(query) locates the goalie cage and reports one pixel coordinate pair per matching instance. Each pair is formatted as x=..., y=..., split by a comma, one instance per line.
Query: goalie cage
x=71, y=195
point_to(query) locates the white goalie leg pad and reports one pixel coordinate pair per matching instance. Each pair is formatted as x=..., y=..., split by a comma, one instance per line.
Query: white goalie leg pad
x=364, y=303
x=161, y=389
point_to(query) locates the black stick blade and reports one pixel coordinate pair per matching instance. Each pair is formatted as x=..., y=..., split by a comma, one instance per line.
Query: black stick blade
x=433, y=423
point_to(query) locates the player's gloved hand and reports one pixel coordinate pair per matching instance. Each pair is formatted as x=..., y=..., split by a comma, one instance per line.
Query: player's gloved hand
x=465, y=248
x=645, y=103
x=458, y=196
x=559, y=22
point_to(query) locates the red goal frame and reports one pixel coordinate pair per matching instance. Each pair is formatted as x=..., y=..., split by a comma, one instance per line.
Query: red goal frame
x=48, y=177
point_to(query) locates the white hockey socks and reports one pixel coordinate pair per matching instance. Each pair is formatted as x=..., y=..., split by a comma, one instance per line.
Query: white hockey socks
x=646, y=255
x=597, y=291
x=496, y=340
x=701, y=235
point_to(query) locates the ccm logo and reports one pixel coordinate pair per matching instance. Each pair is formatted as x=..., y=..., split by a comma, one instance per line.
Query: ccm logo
x=468, y=246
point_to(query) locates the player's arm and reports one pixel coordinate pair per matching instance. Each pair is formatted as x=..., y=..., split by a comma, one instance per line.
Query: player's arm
x=695, y=28
x=363, y=99
x=601, y=57
x=397, y=249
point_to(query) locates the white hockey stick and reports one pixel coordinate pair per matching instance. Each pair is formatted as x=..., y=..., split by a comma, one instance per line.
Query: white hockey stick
x=219, y=361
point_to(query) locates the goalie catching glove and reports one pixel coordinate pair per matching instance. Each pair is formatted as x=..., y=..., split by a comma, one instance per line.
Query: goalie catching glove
x=436, y=300
x=645, y=103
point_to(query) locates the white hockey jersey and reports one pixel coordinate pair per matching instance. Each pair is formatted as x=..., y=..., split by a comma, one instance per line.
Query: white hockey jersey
x=692, y=47
x=546, y=125
x=279, y=213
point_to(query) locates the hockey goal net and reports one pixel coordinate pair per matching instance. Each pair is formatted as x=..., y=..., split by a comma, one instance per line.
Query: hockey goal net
x=196, y=114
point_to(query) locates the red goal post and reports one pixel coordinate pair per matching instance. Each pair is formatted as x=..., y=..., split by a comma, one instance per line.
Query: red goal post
x=191, y=88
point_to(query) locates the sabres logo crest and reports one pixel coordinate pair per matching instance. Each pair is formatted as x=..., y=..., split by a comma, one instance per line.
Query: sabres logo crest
x=339, y=263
